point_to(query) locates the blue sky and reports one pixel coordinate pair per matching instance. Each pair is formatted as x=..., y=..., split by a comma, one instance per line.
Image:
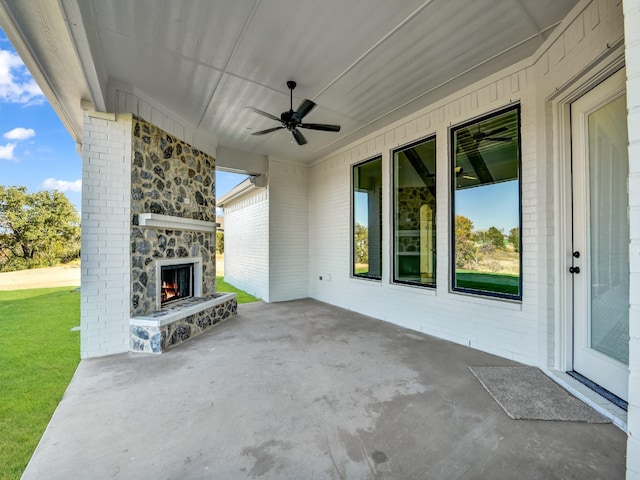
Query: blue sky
x=485, y=206
x=489, y=205
x=35, y=149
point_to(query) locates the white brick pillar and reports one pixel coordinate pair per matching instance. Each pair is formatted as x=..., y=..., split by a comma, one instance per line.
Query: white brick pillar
x=632, y=55
x=106, y=209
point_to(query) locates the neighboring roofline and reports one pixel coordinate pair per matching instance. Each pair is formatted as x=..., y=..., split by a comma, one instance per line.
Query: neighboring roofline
x=258, y=182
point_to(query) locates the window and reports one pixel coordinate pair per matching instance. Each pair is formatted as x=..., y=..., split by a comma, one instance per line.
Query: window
x=486, y=205
x=414, y=213
x=367, y=219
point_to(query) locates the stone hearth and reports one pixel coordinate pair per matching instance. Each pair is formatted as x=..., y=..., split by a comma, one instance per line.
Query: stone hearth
x=180, y=321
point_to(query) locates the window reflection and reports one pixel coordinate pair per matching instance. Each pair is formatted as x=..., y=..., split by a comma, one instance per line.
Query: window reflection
x=486, y=205
x=367, y=219
x=414, y=190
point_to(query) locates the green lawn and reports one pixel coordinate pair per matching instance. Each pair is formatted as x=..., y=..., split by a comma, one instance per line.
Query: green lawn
x=38, y=356
x=488, y=282
x=243, y=297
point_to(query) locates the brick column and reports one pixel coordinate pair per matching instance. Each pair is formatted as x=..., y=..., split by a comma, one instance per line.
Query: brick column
x=632, y=55
x=106, y=206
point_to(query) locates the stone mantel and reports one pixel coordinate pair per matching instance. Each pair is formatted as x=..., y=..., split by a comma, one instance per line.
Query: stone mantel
x=156, y=220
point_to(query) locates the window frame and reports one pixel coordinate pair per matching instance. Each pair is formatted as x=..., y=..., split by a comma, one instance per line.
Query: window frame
x=516, y=107
x=373, y=278
x=395, y=151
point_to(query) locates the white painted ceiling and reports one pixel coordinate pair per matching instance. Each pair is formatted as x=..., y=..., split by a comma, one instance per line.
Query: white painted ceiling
x=364, y=62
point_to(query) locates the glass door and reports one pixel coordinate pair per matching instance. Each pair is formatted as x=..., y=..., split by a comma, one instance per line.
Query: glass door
x=600, y=270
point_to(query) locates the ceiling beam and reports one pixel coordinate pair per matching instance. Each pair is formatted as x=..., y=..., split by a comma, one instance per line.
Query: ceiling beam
x=421, y=169
x=470, y=148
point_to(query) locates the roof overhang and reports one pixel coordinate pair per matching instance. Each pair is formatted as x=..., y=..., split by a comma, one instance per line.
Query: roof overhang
x=193, y=67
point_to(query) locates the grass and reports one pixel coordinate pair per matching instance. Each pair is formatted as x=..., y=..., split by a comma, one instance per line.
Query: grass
x=488, y=282
x=38, y=356
x=243, y=297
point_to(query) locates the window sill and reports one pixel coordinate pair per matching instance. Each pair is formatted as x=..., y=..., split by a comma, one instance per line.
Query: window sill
x=377, y=281
x=496, y=302
x=414, y=289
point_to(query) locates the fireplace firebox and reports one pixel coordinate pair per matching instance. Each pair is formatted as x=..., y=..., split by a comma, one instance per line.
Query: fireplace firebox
x=176, y=282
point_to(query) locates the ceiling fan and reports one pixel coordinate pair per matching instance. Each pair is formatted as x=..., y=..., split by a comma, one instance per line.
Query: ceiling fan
x=293, y=120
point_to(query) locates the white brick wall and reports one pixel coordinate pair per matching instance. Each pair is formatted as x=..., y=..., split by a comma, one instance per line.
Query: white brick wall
x=632, y=54
x=500, y=327
x=288, y=232
x=526, y=331
x=246, y=243
x=106, y=188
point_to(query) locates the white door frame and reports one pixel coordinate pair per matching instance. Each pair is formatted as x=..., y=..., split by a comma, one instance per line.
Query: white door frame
x=561, y=355
x=606, y=371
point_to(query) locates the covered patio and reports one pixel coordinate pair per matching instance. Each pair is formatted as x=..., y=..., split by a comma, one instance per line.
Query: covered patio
x=304, y=389
x=436, y=123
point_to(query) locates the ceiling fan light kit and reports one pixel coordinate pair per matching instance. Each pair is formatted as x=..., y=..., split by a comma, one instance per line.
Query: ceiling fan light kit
x=292, y=120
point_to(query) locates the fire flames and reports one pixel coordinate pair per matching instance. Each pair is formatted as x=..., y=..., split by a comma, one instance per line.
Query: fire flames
x=169, y=291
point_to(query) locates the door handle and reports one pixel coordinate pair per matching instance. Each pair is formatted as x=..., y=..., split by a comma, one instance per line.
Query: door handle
x=574, y=269
x=576, y=254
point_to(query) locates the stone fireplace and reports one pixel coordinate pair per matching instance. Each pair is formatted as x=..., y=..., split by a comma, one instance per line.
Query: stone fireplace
x=179, y=279
x=173, y=227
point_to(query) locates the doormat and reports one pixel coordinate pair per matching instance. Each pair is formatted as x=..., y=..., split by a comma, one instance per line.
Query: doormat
x=525, y=393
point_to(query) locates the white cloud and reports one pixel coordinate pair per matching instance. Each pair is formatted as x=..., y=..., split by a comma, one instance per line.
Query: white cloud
x=16, y=83
x=19, y=133
x=6, y=151
x=62, y=185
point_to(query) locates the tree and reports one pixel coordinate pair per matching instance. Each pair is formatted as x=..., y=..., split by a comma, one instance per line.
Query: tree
x=220, y=242
x=466, y=248
x=37, y=228
x=494, y=237
x=362, y=243
x=514, y=238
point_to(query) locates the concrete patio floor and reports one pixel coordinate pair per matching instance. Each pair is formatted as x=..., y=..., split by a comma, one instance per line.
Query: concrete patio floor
x=304, y=390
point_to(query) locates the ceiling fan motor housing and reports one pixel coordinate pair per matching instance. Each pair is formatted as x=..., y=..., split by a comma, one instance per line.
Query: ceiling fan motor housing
x=287, y=119
x=291, y=119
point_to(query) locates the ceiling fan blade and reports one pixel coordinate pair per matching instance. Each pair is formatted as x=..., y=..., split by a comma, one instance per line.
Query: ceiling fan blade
x=320, y=126
x=264, y=114
x=268, y=130
x=482, y=135
x=498, y=139
x=298, y=136
x=305, y=107
x=497, y=130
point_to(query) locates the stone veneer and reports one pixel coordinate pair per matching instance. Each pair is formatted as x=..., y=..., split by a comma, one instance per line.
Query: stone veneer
x=410, y=201
x=152, y=335
x=168, y=177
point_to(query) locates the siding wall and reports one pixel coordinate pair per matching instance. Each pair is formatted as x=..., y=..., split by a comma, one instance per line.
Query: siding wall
x=267, y=236
x=246, y=243
x=106, y=205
